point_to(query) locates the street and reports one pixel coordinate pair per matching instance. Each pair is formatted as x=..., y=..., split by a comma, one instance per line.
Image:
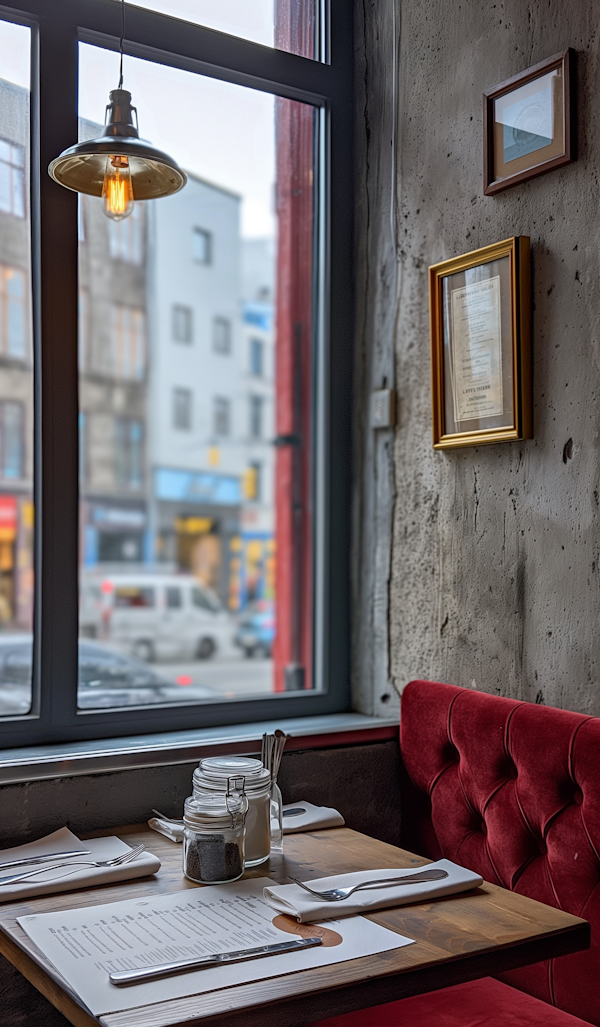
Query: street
x=231, y=676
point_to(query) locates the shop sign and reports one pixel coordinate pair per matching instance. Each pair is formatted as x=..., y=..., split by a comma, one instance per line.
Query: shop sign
x=203, y=487
x=118, y=517
x=8, y=518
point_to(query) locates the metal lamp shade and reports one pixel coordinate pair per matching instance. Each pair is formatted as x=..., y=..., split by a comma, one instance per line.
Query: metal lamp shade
x=82, y=167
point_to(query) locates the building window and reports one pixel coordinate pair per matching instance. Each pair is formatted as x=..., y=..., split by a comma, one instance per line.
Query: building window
x=129, y=466
x=127, y=238
x=202, y=246
x=182, y=409
x=83, y=312
x=80, y=220
x=182, y=323
x=82, y=448
x=253, y=481
x=256, y=417
x=12, y=179
x=256, y=358
x=11, y=439
x=221, y=416
x=13, y=317
x=128, y=342
x=221, y=335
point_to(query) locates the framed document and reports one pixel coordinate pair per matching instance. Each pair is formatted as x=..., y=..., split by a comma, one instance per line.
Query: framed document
x=480, y=308
x=529, y=124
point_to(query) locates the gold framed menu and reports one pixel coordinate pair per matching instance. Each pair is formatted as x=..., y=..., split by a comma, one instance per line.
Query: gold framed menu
x=480, y=306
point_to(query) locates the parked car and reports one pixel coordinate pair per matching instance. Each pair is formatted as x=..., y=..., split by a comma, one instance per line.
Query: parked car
x=256, y=629
x=106, y=678
x=154, y=616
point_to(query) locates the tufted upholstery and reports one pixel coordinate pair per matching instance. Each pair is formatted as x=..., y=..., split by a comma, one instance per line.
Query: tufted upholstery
x=512, y=791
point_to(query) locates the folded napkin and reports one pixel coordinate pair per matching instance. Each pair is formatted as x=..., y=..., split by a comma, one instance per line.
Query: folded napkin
x=310, y=817
x=170, y=828
x=69, y=878
x=293, y=900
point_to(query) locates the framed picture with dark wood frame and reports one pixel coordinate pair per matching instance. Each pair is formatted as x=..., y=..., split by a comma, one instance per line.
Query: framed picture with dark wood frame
x=529, y=123
x=480, y=306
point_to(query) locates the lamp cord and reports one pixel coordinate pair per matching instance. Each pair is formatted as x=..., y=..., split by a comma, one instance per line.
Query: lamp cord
x=122, y=42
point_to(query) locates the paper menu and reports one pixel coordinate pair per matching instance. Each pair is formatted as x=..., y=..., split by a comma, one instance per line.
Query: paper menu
x=85, y=944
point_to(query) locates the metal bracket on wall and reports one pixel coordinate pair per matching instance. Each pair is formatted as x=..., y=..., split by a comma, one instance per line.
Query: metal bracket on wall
x=383, y=408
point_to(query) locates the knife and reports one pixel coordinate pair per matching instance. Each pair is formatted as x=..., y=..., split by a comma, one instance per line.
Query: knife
x=27, y=860
x=150, y=973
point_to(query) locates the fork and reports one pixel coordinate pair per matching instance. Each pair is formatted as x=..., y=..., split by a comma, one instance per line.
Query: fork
x=338, y=894
x=117, y=861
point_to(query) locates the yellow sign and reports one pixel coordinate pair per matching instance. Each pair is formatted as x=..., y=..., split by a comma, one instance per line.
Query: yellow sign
x=193, y=525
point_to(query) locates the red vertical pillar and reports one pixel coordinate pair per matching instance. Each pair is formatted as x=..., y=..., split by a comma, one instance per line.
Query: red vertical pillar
x=294, y=130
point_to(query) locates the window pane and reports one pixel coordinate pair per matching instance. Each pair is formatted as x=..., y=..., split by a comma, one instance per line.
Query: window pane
x=291, y=25
x=197, y=484
x=16, y=375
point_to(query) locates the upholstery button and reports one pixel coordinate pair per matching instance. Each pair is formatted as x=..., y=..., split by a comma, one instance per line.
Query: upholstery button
x=484, y=827
x=514, y=773
x=578, y=797
x=543, y=849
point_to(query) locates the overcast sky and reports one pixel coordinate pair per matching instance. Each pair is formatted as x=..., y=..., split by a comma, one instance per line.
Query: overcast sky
x=219, y=131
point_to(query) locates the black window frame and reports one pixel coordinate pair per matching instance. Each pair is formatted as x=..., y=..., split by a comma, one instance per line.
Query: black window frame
x=57, y=28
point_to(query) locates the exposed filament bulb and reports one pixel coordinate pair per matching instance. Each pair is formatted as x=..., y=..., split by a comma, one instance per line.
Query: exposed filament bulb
x=117, y=190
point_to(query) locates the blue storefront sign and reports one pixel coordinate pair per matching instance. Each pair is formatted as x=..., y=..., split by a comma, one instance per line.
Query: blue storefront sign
x=201, y=487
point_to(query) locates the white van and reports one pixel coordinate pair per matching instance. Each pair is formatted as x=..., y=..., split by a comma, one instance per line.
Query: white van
x=155, y=616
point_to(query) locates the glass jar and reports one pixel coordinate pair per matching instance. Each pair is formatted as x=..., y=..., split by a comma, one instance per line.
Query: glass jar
x=276, y=818
x=211, y=776
x=213, y=837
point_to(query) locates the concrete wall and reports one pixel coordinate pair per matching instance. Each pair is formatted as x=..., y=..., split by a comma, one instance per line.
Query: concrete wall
x=494, y=575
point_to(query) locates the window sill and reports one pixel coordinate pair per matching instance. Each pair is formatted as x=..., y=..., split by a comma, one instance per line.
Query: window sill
x=37, y=763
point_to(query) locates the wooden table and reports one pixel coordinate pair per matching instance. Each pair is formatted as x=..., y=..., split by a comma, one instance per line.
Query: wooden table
x=472, y=935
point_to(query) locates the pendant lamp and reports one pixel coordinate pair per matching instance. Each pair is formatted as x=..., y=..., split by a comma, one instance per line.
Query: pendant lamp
x=118, y=165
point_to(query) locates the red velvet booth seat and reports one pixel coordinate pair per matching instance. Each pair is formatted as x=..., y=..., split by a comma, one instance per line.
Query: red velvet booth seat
x=512, y=791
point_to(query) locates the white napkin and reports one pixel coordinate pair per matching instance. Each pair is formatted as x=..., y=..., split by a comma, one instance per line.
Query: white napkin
x=293, y=900
x=168, y=828
x=69, y=878
x=312, y=817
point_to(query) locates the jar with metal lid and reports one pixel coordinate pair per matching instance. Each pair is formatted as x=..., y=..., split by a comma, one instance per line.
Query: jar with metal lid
x=213, y=836
x=211, y=776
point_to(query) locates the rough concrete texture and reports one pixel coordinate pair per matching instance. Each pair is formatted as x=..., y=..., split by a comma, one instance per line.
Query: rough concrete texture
x=495, y=557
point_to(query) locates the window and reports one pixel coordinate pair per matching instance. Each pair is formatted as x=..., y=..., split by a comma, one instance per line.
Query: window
x=262, y=137
x=82, y=448
x=256, y=417
x=201, y=246
x=221, y=416
x=182, y=323
x=13, y=313
x=182, y=409
x=12, y=179
x=11, y=439
x=128, y=357
x=83, y=312
x=127, y=238
x=129, y=465
x=221, y=335
x=256, y=357
x=252, y=481
x=173, y=598
x=253, y=19
x=205, y=600
x=131, y=597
